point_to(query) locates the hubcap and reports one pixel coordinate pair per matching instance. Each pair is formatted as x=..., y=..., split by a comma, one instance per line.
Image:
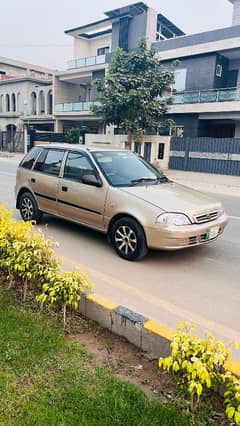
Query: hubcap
x=125, y=239
x=27, y=208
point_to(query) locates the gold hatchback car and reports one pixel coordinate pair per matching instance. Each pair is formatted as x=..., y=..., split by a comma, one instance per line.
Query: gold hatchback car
x=118, y=193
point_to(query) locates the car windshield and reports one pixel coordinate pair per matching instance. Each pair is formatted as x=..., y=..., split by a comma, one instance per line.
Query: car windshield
x=127, y=169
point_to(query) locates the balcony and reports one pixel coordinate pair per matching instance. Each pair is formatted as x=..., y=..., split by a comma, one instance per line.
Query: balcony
x=87, y=62
x=207, y=96
x=75, y=106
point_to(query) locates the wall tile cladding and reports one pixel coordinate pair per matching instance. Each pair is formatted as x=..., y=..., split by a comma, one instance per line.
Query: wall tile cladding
x=200, y=71
x=191, y=40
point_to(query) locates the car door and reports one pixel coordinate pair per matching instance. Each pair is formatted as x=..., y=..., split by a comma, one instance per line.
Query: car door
x=79, y=201
x=44, y=179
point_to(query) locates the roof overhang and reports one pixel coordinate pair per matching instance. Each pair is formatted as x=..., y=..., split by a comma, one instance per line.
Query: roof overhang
x=95, y=27
x=130, y=11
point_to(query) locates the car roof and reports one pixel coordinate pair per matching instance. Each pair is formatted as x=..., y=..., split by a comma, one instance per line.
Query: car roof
x=77, y=147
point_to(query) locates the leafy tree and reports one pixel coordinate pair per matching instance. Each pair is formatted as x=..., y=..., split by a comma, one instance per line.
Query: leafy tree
x=132, y=96
x=73, y=135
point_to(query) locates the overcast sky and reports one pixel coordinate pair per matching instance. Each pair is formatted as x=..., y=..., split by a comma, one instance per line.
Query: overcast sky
x=33, y=31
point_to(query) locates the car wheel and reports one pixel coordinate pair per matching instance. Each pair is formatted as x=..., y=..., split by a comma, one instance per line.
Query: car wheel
x=28, y=208
x=128, y=239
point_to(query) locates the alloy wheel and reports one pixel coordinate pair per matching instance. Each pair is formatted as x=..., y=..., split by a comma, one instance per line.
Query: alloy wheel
x=27, y=208
x=125, y=239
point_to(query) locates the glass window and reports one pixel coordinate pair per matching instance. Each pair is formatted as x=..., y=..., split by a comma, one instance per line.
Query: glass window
x=180, y=79
x=126, y=169
x=30, y=158
x=53, y=162
x=137, y=147
x=40, y=161
x=102, y=50
x=78, y=165
x=177, y=131
x=161, y=147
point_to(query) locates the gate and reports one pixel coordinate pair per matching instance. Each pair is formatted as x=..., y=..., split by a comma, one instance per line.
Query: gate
x=12, y=142
x=206, y=155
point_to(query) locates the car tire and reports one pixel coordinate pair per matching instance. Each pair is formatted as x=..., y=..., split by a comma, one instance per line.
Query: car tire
x=28, y=208
x=128, y=239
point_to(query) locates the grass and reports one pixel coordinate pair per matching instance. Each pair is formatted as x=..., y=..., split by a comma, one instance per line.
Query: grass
x=47, y=380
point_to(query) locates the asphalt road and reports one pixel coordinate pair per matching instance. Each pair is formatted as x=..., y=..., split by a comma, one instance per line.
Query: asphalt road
x=200, y=284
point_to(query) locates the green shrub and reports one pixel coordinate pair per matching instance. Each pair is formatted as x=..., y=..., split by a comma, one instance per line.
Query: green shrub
x=232, y=397
x=200, y=365
x=73, y=135
x=28, y=260
x=64, y=289
x=26, y=255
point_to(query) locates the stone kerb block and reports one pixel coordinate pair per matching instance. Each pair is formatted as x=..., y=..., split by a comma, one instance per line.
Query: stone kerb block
x=156, y=339
x=99, y=309
x=128, y=324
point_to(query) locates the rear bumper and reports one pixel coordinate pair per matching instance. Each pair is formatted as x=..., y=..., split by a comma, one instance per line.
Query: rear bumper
x=178, y=237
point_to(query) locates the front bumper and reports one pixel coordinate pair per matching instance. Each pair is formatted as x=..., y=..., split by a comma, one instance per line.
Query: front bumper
x=178, y=237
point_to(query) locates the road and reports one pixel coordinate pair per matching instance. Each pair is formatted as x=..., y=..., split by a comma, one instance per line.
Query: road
x=200, y=284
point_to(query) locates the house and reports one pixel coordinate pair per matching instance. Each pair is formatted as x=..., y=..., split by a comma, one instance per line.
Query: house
x=26, y=99
x=206, y=93
x=93, y=45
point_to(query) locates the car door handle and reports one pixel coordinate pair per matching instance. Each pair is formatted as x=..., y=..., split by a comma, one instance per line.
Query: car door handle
x=64, y=188
x=33, y=180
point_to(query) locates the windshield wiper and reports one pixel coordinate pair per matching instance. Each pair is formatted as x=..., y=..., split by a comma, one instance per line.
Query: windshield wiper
x=146, y=179
x=163, y=179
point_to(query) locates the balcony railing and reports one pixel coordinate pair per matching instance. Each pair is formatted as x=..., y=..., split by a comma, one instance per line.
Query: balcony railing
x=76, y=106
x=205, y=96
x=87, y=62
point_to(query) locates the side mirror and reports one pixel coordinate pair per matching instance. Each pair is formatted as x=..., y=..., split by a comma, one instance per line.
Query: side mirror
x=92, y=180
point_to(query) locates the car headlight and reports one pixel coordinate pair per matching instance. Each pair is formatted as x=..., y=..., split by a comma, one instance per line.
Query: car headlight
x=173, y=219
x=221, y=212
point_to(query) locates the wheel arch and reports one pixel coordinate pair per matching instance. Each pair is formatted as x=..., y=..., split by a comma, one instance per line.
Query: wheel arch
x=121, y=216
x=22, y=190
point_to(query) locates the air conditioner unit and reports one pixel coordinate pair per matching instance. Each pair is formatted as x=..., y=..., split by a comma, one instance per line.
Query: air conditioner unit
x=219, y=70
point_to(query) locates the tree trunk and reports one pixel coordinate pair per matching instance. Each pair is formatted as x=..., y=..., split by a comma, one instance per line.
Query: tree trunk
x=64, y=314
x=128, y=144
x=25, y=289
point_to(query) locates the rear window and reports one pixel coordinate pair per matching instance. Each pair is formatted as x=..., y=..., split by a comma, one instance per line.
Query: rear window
x=30, y=158
x=53, y=162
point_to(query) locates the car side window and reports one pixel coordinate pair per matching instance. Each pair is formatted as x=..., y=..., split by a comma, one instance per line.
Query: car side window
x=30, y=158
x=78, y=165
x=53, y=162
x=38, y=167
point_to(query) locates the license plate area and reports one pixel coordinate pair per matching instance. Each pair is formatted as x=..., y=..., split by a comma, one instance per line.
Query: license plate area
x=212, y=233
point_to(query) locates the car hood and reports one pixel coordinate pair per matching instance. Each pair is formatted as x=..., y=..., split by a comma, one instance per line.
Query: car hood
x=172, y=197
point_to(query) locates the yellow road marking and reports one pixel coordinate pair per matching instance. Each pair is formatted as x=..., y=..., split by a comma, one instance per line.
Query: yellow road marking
x=185, y=315
x=102, y=301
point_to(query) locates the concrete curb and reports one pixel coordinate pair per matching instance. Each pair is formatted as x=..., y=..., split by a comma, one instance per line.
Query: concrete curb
x=149, y=336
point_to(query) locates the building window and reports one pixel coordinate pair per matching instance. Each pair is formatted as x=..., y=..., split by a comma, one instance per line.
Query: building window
x=102, y=50
x=161, y=147
x=123, y=33
x=13, y=102
x=137, y=147
x=41, y=102
x=33, y=103
x=7, y=103
x=180, y=77
x=177, y=131
x=147, y=151
x=19, y=102
x=219, y=70
x=49, y=102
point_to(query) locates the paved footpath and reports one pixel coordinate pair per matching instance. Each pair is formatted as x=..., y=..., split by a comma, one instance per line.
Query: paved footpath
x=207, y=182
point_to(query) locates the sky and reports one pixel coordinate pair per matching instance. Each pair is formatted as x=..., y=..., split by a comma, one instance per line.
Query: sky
x=33, y=31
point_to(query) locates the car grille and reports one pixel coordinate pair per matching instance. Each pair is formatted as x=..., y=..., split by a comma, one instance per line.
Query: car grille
x=198, y=239
x=206, y=217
